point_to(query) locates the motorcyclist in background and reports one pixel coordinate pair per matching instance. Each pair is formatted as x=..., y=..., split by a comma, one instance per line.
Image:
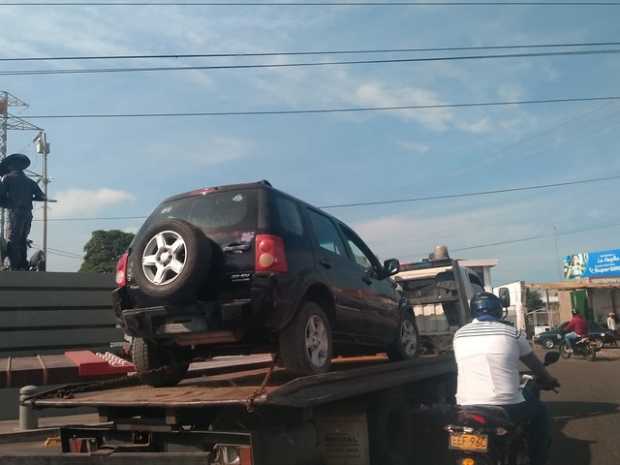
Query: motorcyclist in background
x=576, y=329
x=488, y=353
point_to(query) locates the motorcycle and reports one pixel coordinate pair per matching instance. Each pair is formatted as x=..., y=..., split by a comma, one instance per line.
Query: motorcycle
x=587, y=347
x=485, y=435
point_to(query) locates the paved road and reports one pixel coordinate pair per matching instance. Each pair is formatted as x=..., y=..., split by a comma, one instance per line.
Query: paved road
x=586, y=412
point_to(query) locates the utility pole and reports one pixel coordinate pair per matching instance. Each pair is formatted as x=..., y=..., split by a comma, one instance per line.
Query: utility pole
x=10, y=122
x=43, y=148
x=557, y=252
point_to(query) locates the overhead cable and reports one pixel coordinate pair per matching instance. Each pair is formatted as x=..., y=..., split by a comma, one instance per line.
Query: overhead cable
x=523, y=239
x=324, y=110
x=311, y=4
x=71, y=71
x=310, y=52
x=471, y=194
x=392, y=201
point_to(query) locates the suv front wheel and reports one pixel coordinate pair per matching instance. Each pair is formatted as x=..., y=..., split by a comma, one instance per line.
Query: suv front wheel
x=306, y=346
x=405, y=347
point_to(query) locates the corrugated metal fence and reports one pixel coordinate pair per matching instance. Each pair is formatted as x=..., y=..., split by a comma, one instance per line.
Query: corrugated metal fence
x=43, y=313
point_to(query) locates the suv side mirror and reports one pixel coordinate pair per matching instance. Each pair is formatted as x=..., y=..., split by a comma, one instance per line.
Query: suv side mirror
x=504, y=296
x=391, y=267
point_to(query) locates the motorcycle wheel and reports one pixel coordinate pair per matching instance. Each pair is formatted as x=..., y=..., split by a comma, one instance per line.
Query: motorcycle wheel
x=591, y=355
x=564, y=351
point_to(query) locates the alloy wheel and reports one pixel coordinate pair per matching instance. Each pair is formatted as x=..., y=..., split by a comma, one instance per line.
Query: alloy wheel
x=164, y=258
x=317, y=341
x=408, y=337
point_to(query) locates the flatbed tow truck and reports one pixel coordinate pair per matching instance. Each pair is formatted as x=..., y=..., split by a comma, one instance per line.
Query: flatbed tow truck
x=366, y=411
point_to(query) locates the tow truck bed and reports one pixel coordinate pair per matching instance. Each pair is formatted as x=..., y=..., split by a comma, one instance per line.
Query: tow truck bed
x=349, y=378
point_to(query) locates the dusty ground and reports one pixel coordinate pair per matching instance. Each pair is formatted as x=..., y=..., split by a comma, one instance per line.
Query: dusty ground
x=586, y=412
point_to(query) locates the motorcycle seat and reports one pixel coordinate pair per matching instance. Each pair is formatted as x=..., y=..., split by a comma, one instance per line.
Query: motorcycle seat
x=494, y=415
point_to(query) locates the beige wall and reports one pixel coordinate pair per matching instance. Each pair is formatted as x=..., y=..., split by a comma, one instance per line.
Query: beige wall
x=565, y=305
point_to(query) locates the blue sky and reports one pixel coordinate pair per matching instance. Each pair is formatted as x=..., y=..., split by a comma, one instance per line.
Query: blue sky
x=126, y=166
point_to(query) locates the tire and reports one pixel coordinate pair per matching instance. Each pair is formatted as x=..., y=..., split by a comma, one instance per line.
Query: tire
x=306, y=344
x=182, y=253
x=173, y=361
x=563, y=351
x=591, y=355
x=548, y=344
x=406, y=345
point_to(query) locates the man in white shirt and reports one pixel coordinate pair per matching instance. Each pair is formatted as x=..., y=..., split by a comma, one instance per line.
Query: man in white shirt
x=488, y=353
x=611, y=322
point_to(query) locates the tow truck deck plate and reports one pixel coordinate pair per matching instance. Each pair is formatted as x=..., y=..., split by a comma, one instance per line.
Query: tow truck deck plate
x=283, y=389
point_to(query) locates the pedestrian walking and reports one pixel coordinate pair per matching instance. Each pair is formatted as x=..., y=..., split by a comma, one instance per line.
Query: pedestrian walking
x=611, y=322
x=17, y=191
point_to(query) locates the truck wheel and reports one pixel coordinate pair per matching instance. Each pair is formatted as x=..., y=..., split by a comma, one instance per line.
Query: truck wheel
x=171, y=260
x=405, y=347
x=157, y=365
x=306, y=346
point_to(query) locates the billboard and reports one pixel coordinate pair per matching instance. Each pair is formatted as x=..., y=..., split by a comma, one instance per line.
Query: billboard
x=603, y=264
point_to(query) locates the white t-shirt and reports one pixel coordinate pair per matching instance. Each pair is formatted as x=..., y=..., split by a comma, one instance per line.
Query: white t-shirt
x=487, y=355
x=611, y=323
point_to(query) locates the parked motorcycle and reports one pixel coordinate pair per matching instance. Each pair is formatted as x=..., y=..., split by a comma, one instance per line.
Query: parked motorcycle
x=587, y=347
x=484, y=435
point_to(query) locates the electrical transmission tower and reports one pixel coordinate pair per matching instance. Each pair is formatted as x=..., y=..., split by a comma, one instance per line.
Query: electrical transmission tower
x=10, y=122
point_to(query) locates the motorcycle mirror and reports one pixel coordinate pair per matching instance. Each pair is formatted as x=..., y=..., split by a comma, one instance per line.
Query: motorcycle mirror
x=551, y=357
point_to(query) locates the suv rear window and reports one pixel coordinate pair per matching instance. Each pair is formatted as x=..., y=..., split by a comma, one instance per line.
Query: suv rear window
x=212, y=212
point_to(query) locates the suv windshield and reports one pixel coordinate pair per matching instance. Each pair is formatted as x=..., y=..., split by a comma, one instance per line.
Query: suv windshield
x=217, y=213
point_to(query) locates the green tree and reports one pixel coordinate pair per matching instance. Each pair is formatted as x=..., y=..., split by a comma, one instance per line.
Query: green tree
x=104, y=249
x=533, y=300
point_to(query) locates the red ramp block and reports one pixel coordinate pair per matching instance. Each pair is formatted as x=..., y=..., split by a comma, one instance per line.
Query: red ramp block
x=90, y=364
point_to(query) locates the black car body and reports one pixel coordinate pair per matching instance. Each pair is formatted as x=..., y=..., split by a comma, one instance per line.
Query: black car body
x=268, y=255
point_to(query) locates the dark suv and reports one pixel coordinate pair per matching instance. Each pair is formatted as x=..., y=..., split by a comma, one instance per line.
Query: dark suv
x=246, y=268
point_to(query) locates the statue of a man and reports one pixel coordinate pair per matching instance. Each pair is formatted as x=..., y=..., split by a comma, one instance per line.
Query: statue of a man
x=17, y=192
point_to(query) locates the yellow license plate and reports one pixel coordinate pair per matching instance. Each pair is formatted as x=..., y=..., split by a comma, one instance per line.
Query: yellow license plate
x=471, y=442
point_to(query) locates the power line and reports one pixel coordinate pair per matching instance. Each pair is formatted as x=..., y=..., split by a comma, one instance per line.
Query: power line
x=471, y=194
x=60, y=252
x=524, y=239
x=96, y=218
x=47, y=72
x=326, y=110
x=388, y=202
x=313, y=4
x=311, y=52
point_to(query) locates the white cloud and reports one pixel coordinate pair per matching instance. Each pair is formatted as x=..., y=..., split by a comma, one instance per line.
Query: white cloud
x=411, y=237
x=84, y=202
x=414, y=147
x=377, y=94
x=211, y=151
x=510, y=92
x=476, y=127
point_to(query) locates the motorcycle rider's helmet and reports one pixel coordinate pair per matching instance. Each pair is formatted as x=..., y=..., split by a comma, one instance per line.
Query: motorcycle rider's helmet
x=486, y=304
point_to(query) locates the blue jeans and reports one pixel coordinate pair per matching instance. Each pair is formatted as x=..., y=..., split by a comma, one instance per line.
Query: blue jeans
x=571, y=338
x=535, y=413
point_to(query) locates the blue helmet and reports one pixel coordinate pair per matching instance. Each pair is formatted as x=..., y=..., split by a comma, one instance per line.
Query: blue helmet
x=485, y=303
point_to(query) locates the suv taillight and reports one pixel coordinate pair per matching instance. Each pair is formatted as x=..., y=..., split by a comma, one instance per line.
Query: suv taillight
x=121, y=270
x=270, y=254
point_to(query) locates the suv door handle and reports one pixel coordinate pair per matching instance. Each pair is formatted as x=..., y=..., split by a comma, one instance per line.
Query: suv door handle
x=325, y=263
x=236, y=247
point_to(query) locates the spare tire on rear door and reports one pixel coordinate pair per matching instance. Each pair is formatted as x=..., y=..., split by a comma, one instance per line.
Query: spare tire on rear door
x=171, y=260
